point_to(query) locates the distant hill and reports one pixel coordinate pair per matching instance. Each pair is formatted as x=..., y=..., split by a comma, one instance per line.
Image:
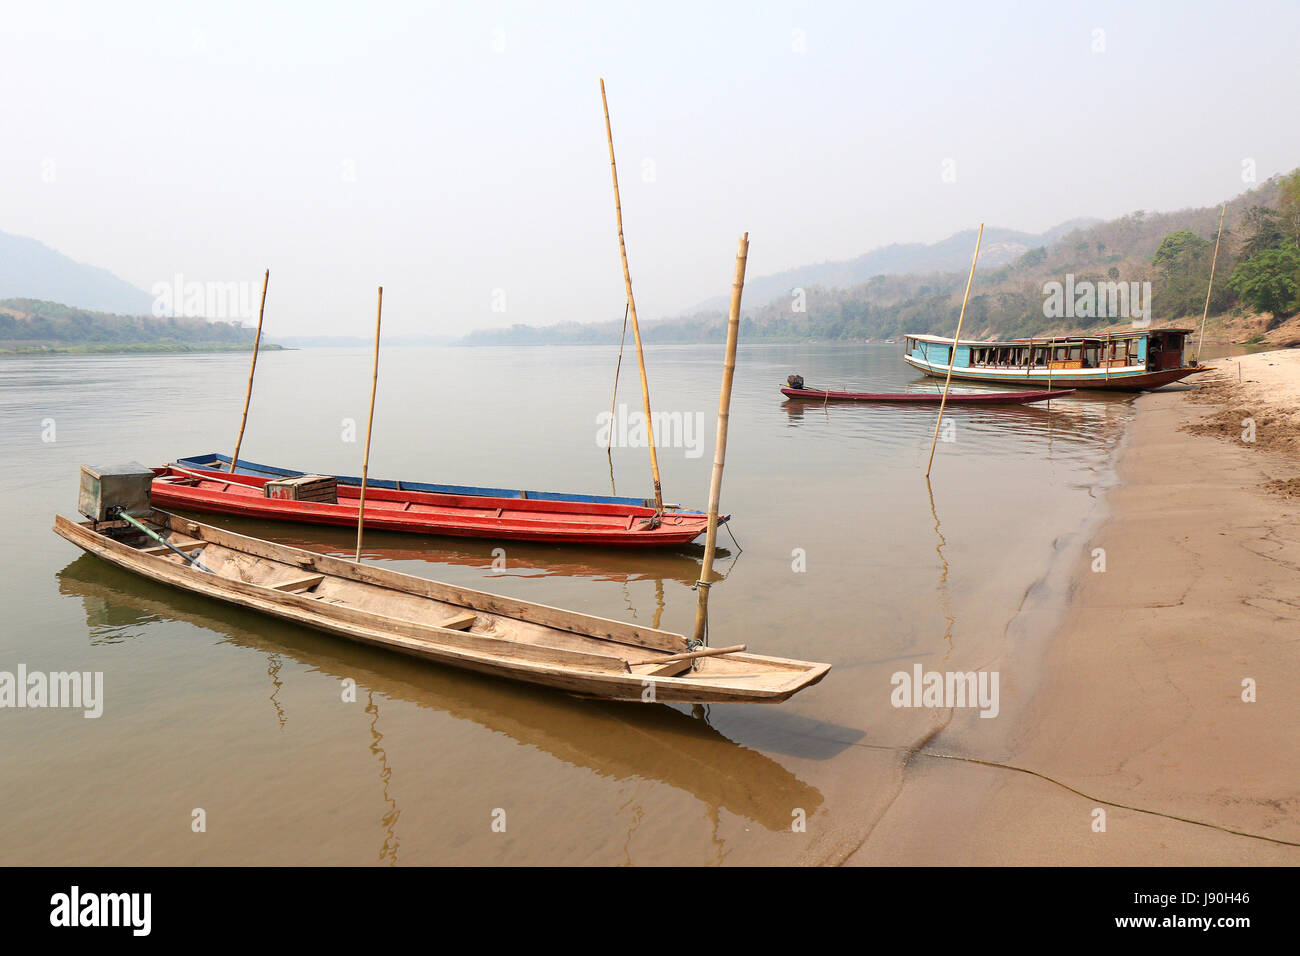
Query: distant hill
x=34, y=325
x=1007, y=299
x=360, y=341
x=32, y=270
x=1000, y=247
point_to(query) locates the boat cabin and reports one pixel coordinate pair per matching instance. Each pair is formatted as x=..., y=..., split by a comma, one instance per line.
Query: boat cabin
x=1130, y=359
x=1151, y=350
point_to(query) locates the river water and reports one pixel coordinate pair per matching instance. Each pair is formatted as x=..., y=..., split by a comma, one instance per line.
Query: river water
x=848, y=557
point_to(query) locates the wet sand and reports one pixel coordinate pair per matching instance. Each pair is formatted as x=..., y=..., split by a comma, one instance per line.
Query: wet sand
x=1122, y=689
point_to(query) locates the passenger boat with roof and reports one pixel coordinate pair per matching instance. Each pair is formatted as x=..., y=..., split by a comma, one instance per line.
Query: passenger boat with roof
x=1128, y=360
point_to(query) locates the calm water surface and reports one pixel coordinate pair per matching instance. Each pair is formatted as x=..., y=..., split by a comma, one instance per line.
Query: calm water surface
x=217, y=708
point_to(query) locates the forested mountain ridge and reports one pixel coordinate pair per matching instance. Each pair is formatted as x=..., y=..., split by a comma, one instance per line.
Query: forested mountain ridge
x=1258, y=273
x=1001, y=247
x=35, y=325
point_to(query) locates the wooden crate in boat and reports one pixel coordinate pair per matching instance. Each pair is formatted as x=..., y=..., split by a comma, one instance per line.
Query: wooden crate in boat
x=318, y=488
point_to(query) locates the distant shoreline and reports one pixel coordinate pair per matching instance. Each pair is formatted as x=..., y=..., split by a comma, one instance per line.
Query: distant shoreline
x=126, y=348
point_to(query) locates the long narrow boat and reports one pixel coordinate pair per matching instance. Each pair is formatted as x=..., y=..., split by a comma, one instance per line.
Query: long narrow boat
x=926, y=398
x=1132, y=360
x=204, y=483
x=439, y=622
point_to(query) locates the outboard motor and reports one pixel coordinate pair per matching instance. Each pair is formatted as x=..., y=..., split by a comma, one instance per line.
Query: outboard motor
x=794, y=381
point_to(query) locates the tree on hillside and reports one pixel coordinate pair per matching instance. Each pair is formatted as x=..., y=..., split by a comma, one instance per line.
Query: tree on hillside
x=1182, y=264
x=1269, y=280
x=1288, y=200
x=1178, y=253
x=1260, y=229
x=1032, y=258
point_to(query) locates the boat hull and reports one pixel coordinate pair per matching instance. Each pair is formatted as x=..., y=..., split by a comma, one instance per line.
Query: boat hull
x=928, y=398
x=496, y=635
x=1116, y=382
x=393, y=506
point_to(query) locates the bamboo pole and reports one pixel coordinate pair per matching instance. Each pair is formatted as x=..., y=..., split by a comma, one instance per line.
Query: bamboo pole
x=952, y=355
x=1213, y=264
x=365, y=463
x=720, y=451
x=631, y=305
x=248, y=396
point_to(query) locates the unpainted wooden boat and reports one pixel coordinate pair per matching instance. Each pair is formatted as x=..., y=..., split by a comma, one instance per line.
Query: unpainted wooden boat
x=926, y=398
x=617, y=742
x=204, y=483
x=450, y=625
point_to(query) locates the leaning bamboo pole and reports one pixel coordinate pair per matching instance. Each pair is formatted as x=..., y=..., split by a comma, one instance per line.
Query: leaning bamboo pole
x=248, y=395
x=952, y=353
x=720, y=451
x=1213, y=264
x=370, y=422
x=636, y=328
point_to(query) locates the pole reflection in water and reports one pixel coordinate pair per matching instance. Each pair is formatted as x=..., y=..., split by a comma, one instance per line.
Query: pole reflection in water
x=273, y=671
x=945, y=599
x=388, y=851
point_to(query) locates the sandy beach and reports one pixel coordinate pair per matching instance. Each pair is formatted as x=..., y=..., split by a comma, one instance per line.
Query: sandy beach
x=1123, y=687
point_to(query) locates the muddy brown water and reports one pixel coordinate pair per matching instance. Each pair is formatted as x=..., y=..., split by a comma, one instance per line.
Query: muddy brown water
x=847, y=557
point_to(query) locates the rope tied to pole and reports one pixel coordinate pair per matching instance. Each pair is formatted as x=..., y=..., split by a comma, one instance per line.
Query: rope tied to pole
x=952, y=353
x=1210, y=288
x=252, y=368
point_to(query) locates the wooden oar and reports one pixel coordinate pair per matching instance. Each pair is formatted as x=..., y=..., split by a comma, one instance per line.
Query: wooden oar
x=691, y=655
x=248, y=396
x=194, y=474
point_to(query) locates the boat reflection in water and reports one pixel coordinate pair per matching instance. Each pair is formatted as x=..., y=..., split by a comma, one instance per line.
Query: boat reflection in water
x=1085, y=418
x=624, y=741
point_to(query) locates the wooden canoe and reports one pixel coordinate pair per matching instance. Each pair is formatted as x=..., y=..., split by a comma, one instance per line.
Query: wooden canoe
x=450, y=625
x=927, y=398
x=205, y=484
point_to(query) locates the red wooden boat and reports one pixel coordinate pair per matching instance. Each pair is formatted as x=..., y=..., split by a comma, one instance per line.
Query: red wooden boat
x=398, y=506
x=927, y=398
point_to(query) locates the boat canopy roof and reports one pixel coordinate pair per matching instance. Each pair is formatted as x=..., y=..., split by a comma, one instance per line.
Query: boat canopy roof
x=1049, y=339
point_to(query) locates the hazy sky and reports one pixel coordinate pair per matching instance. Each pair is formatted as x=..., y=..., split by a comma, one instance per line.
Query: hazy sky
x=450, y=150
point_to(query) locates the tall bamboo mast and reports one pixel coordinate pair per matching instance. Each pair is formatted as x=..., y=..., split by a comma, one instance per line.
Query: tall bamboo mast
x=720, y=451
x=1210, y=289
x=631, y=305
x=248, y=396
x=370, y=422
x=952, y=353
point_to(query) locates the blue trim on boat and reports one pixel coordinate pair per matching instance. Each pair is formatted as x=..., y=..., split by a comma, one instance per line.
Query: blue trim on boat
x=215, y=461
